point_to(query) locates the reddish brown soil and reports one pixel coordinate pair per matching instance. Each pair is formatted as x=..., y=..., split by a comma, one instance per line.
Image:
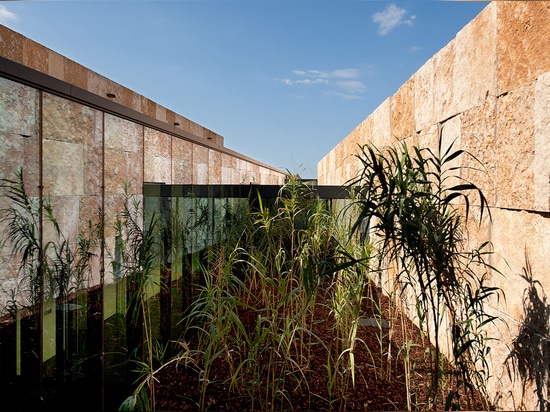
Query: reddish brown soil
x=380, y=380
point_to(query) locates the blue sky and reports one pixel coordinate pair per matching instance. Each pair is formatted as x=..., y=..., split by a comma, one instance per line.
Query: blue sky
x=282, y=80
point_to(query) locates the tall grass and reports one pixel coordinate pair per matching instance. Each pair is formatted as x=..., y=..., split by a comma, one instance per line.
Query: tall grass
x=253, y=312
x=251, y=328
x=139, y=247
x=415, y=205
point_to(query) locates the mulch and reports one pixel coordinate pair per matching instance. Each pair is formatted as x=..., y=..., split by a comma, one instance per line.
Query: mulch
x=380, y=382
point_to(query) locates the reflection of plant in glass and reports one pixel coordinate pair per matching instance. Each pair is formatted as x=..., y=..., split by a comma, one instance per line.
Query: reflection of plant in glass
x=408, y=206
x=23, y=225
x=65, y=266
x=139, y=254
x=51, y=272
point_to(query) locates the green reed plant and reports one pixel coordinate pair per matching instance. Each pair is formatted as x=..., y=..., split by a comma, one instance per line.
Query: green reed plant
x=254, y=313
x=382, y=337
x=345, y=304
x=346, y=266
x=214, y=318
x=139, y=263
x=410, y=205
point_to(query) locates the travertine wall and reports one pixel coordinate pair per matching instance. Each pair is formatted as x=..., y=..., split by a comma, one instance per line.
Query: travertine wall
x=490, y=88
x=166, y=158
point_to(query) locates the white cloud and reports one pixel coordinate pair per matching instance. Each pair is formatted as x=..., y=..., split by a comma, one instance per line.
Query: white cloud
x=346, y=96
x=6, y=16
x=346, y=73
x=312, y=81
x=317, y=75
x=351, y=86
x=390, y=18
x=343, y=81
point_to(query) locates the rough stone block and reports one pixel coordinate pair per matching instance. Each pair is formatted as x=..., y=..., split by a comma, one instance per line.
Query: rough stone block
x=351, y=163
x=170, y=117
x=137, y=102
x=475, y=68
x=478, y=138
x=427, y=138
x=253, y=172
x=161, y=113
x=423, y=96
x=515, y=148
x=321, y=173
x=518, y=236
x=197, y=130
x=340, y=152
x=523, y=33
x=18, y=108
x=19, y=128
x=381, y=124
x=67, y=121
x=450, y=141
x=89, y=211
x=104, y=87
x=9, y=281
x=71, y=123
x=402, y=111
x=444, y=105
x=150, y=108
x=541, y=164
x=324, y=170
x=66, y=211
x=127, y=97
x=93, y=155
x=114, y=207
x=228, y=161
x=182, y=123
x=228, y=176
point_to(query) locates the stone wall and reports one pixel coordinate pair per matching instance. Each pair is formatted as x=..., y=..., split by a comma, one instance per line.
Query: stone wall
x=200, y=158
x=490, y=89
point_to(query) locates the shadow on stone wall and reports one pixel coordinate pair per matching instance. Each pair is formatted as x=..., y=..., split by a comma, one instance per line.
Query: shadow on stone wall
x=530, y=350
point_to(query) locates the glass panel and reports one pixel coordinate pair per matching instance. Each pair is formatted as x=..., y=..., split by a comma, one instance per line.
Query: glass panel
x=19, y=272
x=123, y=175
x=72, y=189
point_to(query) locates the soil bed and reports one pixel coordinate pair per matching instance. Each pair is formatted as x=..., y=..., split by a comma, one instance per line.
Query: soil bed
x=380, y=382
